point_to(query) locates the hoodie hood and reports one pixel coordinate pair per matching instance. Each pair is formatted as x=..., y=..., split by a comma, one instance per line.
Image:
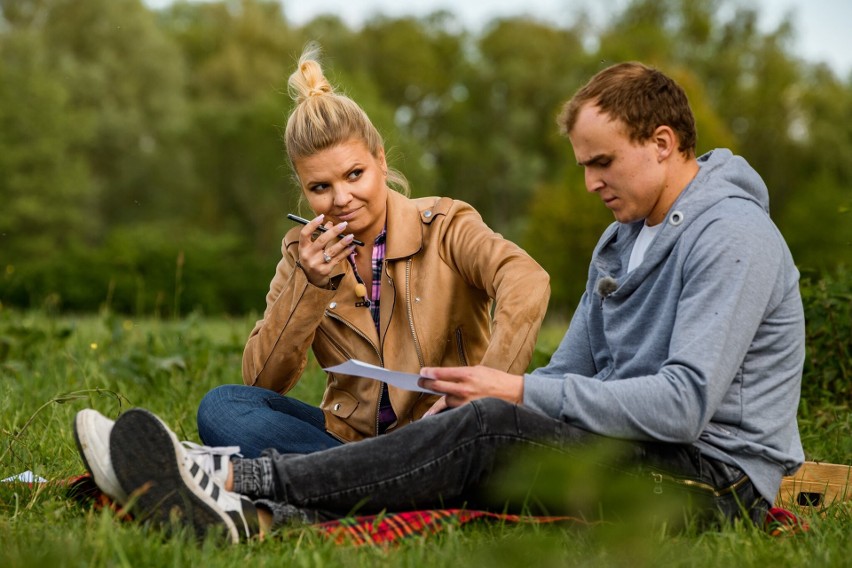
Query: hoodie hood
x=721, y=176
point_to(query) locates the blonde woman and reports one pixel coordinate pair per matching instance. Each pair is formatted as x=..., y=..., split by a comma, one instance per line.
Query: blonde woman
x=417, y=293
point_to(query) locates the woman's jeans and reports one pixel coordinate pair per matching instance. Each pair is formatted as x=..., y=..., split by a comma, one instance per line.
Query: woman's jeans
x=491, y=454
x=256, y=419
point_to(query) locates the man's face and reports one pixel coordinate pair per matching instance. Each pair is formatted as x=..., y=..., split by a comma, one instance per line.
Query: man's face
x=628, y=176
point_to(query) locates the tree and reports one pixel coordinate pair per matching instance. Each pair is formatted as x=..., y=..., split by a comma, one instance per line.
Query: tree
x=500, y=140
x=45, y=185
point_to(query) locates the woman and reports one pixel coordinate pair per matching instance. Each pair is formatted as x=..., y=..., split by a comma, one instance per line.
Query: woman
x=418, y=292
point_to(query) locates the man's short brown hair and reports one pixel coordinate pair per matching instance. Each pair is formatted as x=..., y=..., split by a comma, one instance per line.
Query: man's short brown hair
x=641, y=97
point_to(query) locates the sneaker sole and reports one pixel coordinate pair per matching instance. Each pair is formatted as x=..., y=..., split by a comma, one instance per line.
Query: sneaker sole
x=83, y=446
x=148, y=463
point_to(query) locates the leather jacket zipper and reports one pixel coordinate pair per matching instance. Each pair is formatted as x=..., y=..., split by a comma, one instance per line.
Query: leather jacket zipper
x=376, y=349
x=359, y=333
x=460, y=346
x=411, y=312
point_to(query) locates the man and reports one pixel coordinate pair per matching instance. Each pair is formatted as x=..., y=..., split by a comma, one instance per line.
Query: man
x=687, y=348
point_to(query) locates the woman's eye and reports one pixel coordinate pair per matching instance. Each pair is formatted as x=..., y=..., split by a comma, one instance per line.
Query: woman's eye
x=355, y=174
x=318, y=187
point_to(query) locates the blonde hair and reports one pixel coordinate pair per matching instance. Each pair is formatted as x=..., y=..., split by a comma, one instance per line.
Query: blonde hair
x=323, y=118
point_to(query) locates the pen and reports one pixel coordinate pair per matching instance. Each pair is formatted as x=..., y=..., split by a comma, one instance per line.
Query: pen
x=320, y=228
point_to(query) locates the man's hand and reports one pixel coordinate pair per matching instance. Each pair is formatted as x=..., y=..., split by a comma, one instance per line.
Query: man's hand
x=461, y=385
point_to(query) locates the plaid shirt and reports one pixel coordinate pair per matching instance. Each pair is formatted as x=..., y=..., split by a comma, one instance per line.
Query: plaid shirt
x=386, y=414
x=378, y=259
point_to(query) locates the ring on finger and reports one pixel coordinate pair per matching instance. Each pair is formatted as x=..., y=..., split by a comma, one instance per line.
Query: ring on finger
x=326, y=257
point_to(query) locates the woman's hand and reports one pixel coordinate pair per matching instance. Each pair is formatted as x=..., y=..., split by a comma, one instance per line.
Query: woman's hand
x=319, y=256
x=461, y=385
x=440, y=404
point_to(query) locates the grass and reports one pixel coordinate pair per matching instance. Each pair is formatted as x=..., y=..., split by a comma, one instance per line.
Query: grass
x=52, y=367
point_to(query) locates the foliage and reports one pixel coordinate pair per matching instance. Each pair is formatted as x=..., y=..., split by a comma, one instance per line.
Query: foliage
x=147, y=269
x=45, y=178
x=116, y=118
x=828, y=363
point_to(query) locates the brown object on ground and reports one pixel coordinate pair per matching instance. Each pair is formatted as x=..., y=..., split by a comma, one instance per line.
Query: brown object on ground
x=816, y=486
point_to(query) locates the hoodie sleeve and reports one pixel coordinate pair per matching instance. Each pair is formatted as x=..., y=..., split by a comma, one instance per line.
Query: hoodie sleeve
x=730, y=279
x=543, y=387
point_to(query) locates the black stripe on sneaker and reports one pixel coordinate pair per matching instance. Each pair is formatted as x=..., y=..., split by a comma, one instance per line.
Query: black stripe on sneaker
x=240, y=522
x=215, y=493
x=246, y=520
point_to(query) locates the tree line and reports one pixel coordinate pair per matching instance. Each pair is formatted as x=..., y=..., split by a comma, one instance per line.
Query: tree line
x=142, y=167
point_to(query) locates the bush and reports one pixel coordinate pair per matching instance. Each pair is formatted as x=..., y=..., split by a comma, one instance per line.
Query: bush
x=828, y=329
x=144, y=271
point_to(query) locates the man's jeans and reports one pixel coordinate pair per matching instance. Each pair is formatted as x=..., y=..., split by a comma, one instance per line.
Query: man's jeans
x=461, y=458
x=256, y=419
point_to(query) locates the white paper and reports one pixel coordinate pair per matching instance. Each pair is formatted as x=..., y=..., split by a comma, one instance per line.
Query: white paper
x=407, y=381
x=25, y=477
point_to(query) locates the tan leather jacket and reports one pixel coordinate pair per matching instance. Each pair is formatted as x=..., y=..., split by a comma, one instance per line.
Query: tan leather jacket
x=442, y=267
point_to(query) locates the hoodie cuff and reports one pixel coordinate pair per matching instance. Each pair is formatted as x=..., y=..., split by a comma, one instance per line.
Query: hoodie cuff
x=544, y=394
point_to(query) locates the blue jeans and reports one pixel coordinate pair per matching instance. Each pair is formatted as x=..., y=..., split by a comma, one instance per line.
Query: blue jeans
x=255, y=419
x=461, y=457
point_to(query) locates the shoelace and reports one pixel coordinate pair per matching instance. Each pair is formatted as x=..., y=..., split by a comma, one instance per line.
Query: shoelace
x=211, y=459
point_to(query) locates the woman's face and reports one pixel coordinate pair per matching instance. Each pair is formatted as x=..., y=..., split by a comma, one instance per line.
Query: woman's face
x=347, y=183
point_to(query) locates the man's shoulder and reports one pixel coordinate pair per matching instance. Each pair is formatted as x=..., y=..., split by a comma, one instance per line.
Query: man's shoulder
x=738, y=216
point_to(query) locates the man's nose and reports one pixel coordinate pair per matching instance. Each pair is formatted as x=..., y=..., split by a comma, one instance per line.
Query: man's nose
x=593, y=181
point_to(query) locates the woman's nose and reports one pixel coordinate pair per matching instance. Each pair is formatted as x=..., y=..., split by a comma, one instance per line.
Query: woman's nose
x=341, y=196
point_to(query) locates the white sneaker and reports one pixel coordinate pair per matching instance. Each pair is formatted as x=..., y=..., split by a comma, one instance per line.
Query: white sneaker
x=168, y=485
x=91, y=432
x=213, y=461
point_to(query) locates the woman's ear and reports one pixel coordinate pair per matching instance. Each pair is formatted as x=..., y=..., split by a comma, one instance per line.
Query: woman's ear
x=382, y=161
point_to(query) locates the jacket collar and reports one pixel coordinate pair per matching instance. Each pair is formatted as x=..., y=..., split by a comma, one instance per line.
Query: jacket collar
x=404, y=231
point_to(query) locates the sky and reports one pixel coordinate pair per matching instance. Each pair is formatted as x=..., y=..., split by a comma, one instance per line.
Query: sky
x=821, y=26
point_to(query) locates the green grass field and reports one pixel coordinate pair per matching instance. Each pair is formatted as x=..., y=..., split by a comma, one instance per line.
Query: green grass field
x=52, y=367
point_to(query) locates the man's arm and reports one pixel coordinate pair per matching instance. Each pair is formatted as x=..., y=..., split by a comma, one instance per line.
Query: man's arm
x=728, y=280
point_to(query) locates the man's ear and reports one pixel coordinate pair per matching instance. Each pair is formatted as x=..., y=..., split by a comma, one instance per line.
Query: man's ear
x=665, y=141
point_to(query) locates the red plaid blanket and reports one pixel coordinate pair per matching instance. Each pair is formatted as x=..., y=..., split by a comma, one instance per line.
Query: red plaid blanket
x=388, y=528
x=391, y=527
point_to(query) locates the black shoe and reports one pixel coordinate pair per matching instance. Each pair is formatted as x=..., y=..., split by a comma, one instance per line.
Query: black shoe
x=165, y=485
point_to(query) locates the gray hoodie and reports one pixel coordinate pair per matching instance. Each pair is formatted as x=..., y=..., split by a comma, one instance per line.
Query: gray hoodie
x=702, y=343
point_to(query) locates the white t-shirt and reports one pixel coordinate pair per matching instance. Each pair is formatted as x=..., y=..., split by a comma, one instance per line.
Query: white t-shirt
x=643, y=240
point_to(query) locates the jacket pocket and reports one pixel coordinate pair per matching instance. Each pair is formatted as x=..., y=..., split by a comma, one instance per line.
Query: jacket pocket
x=340, y=403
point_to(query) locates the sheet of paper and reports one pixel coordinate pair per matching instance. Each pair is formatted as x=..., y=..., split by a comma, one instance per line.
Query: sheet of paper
x=407, y=381
x=25, y=477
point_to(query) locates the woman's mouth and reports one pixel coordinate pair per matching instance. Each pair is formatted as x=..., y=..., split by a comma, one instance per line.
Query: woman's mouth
x=347, y=215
